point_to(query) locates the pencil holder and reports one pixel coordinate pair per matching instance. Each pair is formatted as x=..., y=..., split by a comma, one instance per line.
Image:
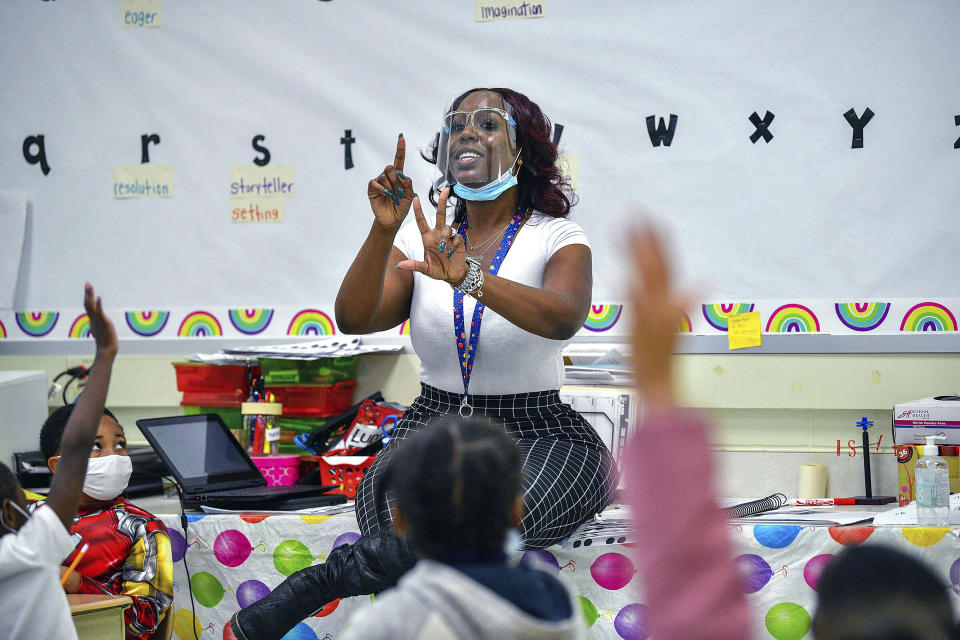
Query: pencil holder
x=279, y=471
x=261, y=433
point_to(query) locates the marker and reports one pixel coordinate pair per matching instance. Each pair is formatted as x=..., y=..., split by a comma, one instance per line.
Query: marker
x=821, y=502
x=83, y=550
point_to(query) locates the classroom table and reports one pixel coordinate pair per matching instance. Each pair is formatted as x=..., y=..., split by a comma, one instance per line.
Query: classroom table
x=233, y=559
x=98, y=617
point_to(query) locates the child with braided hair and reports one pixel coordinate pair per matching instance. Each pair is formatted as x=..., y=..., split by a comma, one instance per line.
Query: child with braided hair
x=456, y=496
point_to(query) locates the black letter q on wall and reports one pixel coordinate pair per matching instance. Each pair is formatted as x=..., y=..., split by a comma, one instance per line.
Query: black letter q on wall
x=40, y=156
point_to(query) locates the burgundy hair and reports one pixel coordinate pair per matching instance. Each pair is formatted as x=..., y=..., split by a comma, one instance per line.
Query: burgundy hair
x=542, y=186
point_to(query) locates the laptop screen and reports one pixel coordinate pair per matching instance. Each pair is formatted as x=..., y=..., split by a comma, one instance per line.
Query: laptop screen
x=199, y=449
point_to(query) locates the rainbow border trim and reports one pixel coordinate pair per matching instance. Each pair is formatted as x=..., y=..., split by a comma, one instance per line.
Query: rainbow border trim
x=37, y=324
x=928, y=316
x=718, y=315
x=311, y=322
x=602, y=317
x=145, y=323
x=80, y=327
x=200, y=324
x=250, y=321
x=3, y=330
x=793, y=318
x=862, y=316
x=684, y=326
x=405, y=328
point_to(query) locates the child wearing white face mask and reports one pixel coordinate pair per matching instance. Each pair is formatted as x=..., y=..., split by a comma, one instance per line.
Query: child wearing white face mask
x=129, y=551
x=32, y=604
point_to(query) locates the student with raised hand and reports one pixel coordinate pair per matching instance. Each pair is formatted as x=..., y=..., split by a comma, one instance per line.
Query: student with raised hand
x=456, y=491
x=32, y=546
x=691, y=587
x=129, y=550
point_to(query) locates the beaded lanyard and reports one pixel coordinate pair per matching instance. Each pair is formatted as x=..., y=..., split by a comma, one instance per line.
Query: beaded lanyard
x=467, y=349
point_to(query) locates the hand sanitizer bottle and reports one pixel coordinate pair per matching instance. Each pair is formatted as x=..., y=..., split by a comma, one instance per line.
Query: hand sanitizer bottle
x=933, y=486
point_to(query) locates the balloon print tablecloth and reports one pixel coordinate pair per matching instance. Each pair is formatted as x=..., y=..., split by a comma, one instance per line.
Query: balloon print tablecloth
x=234, y=560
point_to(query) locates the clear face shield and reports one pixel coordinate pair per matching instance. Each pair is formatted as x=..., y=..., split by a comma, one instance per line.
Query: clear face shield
x=477, y=148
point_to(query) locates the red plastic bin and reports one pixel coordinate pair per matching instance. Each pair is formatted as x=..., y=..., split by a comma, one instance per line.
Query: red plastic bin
x=315, y=400
x=212, y=399
x=346, y=471
x=228, y=378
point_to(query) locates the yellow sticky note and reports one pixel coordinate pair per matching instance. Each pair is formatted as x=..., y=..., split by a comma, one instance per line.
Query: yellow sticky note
x=258, y=209
x=570, y=167
x=487, y=10
x=271, y=180
x=743, y=330
x=143, y=181
x=141, y=13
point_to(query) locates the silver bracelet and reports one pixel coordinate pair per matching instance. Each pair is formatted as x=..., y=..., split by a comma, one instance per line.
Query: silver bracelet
x=473, y=281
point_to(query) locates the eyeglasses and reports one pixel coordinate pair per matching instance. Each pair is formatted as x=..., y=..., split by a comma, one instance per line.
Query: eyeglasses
x=488, y=119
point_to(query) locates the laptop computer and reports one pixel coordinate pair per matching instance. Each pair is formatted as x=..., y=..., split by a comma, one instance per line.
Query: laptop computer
x=214, y=470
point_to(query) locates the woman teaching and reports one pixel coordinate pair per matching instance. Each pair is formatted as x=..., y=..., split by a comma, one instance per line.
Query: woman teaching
x=492, y=296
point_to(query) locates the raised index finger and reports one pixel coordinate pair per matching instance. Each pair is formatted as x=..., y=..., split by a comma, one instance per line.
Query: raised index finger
x=401, y=153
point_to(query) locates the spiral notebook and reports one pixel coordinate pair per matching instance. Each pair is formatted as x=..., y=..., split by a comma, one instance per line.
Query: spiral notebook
x=753, y=507
x=771, y=510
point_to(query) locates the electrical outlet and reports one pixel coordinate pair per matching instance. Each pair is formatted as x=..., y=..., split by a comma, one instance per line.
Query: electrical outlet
x=85, y=362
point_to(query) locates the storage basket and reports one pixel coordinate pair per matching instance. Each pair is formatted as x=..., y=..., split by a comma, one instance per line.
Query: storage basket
x=346, y=471
x=231, y=417
x=212, y=399
x=315, y=400
x=230, y=378
x=277, y=371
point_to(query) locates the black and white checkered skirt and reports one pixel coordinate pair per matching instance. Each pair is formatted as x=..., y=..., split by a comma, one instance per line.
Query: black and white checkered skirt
x=568, y=473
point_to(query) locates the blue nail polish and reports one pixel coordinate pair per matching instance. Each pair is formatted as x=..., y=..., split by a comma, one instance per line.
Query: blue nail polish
x=396, y=200
x=387, y=192
x=443, y=245
x=450, y=253
x=400, y=191
x=402, y=177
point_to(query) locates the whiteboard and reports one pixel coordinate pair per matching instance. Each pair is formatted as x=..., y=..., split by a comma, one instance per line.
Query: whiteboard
x=806, y=219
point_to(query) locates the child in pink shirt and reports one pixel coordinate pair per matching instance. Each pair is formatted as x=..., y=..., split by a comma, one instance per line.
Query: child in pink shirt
x=690, y=577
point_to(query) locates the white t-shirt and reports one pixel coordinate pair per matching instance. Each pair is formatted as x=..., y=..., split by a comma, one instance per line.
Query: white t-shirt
x=32, y=602
x=509, y=359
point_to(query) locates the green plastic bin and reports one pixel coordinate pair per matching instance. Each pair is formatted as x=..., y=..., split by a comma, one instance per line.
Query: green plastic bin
x=277, y=371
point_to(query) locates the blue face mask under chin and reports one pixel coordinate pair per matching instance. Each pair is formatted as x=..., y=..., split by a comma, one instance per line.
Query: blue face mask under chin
x=490, y=192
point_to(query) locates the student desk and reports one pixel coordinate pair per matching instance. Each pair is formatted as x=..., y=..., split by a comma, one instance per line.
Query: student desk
x=234, y=558
x=98, y=617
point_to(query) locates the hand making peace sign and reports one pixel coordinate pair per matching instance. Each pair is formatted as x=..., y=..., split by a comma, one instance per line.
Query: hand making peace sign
x=444, y=254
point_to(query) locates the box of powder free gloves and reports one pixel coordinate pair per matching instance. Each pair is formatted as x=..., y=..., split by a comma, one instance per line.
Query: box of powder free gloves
x=907, y=455
x=936, y=416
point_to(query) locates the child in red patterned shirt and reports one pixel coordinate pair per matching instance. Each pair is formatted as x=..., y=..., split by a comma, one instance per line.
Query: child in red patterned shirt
x=129, y=550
